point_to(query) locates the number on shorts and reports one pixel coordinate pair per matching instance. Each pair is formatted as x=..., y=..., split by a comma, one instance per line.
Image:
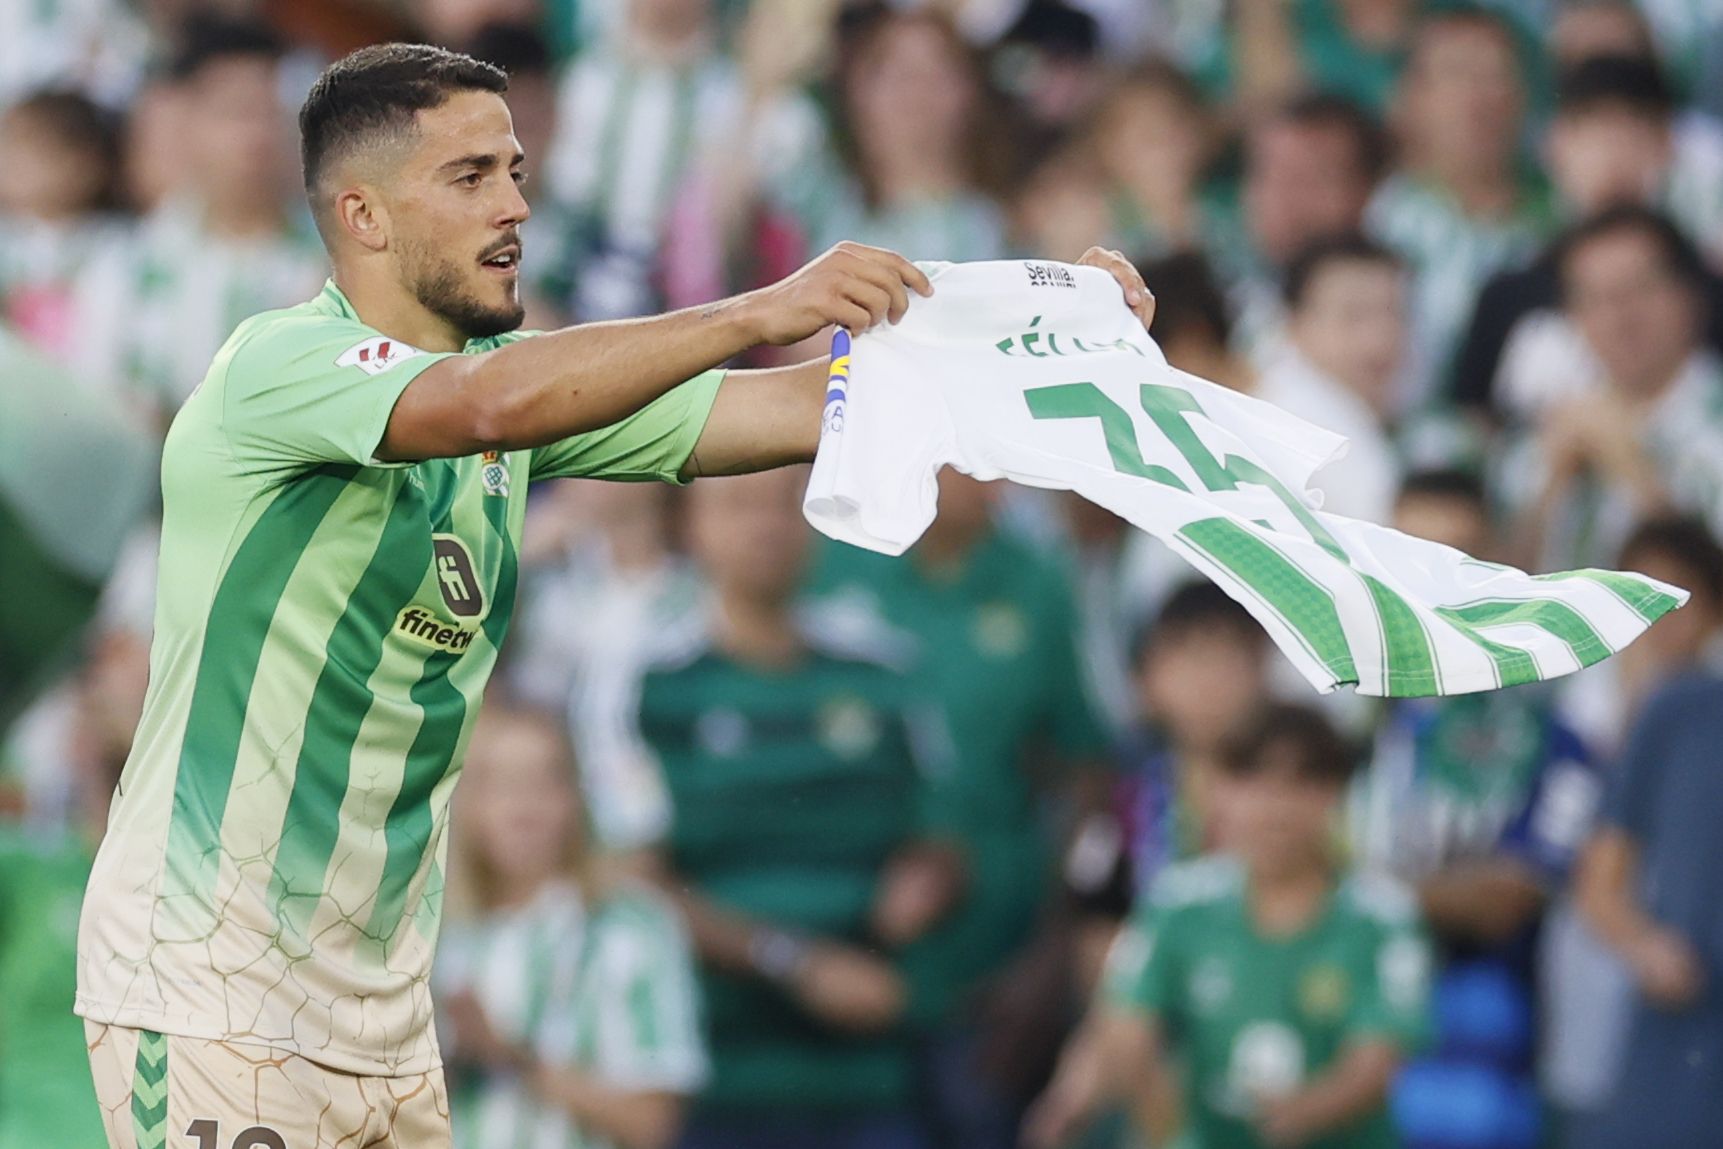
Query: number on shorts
x=208, y=1134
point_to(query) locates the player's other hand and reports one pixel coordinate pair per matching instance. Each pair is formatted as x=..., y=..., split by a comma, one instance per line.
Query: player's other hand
x=849, y=989
x=1138, y=297
x=852, y=286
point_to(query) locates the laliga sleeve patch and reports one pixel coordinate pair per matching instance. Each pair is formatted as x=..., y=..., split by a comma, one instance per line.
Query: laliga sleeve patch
x=376, y=354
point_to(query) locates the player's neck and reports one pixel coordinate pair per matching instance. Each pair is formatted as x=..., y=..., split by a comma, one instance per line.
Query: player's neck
x=387, y=308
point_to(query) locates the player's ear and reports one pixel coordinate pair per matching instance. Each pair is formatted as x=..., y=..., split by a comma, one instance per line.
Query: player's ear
x=363, y=217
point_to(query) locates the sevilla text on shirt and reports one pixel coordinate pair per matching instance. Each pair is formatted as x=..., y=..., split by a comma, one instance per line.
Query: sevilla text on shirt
x=1010, y=372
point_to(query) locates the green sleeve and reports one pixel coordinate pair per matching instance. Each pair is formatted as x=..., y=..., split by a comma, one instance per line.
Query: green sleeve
x=652, y=443
x=1393, y=1000
x=304, y=390
x=1142, y=964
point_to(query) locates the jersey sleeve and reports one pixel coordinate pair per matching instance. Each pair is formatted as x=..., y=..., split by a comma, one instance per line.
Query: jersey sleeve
x=652, y=443
x=1141, y=969
x=882, y=443
x=1393, y=999
x=306, y=390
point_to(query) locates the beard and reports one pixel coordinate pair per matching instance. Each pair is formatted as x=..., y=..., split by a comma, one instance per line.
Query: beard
x=440, y=287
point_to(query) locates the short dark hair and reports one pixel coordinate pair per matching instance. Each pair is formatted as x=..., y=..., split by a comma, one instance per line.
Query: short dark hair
x=1308, y=263
x=1685, y=539
x=207, y=37
x=1198, y=606
x=1186, y=297
x=1319, y=754
x=1680, y=257
x=1455, y=483
x=1615, y=81
x=377, y=91
x=1324, y=111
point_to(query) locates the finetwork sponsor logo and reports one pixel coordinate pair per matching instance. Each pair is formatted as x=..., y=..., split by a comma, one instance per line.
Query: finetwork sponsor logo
x=1049, y=275
x=426, y=629
x=376, y=354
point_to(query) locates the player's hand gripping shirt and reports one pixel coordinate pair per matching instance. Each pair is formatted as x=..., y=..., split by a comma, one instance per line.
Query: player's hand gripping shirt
x=1038, y=372
x=325, y=625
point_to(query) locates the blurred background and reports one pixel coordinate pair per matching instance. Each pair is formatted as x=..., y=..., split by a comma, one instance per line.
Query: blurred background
x=1484, y=242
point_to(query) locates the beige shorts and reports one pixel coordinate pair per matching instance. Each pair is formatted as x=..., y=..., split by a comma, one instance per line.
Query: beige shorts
x=191, y=1093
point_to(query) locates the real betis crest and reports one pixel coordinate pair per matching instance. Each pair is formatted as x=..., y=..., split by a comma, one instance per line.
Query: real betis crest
x=494, y=473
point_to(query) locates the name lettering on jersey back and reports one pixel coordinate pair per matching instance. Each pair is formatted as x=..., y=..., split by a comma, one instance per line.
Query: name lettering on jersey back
x=376, y=354
x=1038, y=344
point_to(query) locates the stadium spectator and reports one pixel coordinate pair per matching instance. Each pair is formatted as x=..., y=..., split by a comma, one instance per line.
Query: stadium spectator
x=1310, y=167
x=640, y=113
x=227, y=244
x=1201, y=674
x=1461, y=206
x=994, y=628
x=1588, y=991
x=568, y=992
x=917, y=145
x=1613, y=141
x=1153, y=140
x=1649, y=887
x=1480, y=803
x=60, y=193
x=802, y=837
x=1345, y=348
x=1647, y=439
x=1286, y=990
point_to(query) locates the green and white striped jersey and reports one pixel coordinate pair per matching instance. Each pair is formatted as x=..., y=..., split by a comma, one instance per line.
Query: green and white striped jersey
x=606, y=987
x=325, y=626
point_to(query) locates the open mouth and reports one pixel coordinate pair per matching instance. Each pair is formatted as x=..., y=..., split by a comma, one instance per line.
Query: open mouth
x=506, y=260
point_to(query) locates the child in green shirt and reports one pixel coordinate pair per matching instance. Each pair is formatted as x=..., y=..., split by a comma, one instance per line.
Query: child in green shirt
x=1285, y=991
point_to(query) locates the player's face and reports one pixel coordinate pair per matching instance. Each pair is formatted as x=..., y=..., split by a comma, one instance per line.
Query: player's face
x=456, y=212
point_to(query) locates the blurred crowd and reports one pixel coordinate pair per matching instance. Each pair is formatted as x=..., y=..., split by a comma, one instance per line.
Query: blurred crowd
x=1028, y=837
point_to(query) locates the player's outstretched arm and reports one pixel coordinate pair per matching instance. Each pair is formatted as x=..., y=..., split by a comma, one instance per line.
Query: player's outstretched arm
x=537, y=391
x=765, y=419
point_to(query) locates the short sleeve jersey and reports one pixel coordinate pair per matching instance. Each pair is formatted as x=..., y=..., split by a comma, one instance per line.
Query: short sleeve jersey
x=1250, y=1016
x=325, y=626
